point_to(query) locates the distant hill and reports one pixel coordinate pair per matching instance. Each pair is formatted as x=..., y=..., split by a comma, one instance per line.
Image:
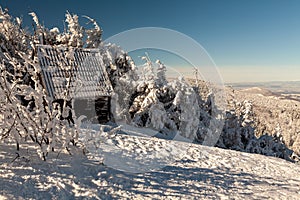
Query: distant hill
x=282, y=87
x=260, y=91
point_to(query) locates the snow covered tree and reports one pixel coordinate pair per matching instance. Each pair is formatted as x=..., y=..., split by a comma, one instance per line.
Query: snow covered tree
x=31, y=117
x=239, y=133
x=122, y=74
x=161, y=79
x=168, y=107
x=148, y=71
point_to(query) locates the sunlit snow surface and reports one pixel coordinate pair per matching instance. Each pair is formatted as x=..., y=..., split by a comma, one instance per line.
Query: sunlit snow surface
x=129, y=151
x=195, y=172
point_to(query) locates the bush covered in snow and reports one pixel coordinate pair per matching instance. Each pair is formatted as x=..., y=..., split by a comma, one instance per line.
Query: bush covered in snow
x=27, y=113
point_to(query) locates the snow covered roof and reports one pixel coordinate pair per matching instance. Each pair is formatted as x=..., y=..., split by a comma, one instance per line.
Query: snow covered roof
x=81, y=70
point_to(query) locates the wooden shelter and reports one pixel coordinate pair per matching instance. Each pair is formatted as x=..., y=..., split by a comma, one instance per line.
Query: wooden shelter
x=78, y=74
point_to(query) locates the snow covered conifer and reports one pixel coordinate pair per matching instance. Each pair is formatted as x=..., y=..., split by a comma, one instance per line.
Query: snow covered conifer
x=161, y=79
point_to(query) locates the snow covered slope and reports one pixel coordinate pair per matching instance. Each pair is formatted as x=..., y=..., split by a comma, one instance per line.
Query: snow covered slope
x=196, y=172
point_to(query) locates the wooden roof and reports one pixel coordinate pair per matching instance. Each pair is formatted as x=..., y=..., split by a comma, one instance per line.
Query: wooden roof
x=80, y=70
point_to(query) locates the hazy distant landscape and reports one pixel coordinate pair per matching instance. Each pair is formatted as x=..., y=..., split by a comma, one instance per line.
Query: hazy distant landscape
x=282, y=89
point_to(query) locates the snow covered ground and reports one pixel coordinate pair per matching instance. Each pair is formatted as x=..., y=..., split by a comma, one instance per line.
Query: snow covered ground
x=184, y=171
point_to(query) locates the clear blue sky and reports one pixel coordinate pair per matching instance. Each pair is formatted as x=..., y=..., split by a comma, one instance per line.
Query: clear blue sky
x=244, y=37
